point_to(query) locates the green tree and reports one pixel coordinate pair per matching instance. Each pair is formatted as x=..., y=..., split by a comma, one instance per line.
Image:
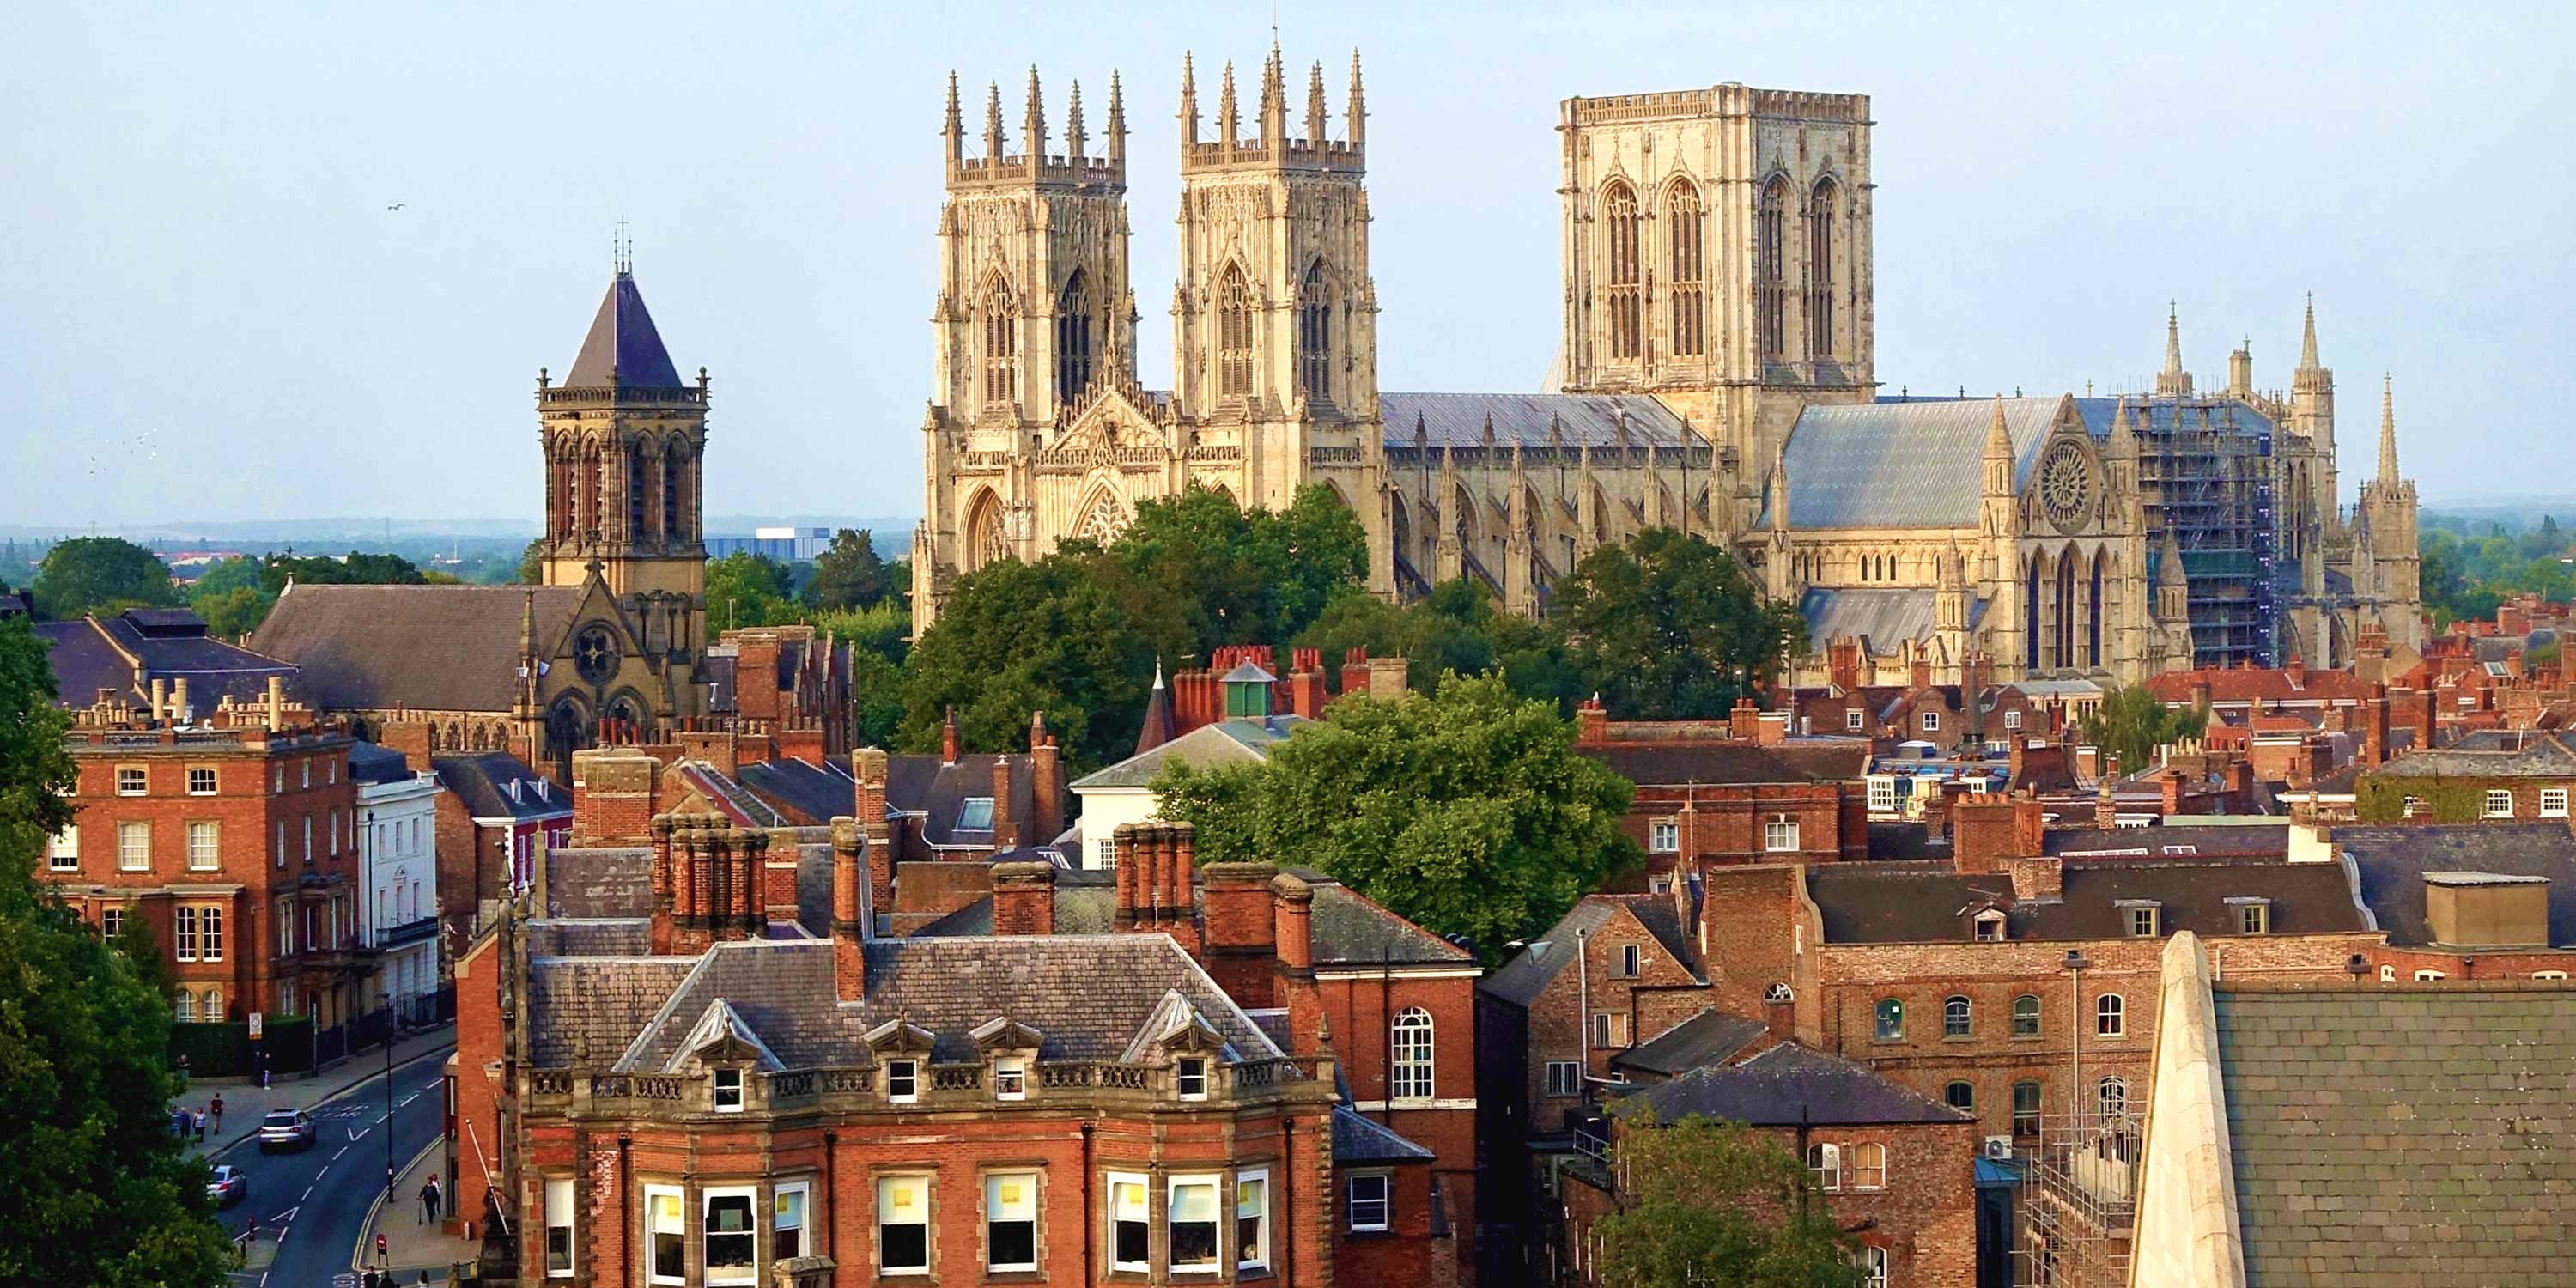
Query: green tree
x=1450, y=631
x=1070, y=635
x=2131, y=723
x=1244, y=576
x=745, y=589
x=1468, y=812
x=1667, y=627
x=87, y=574
x=1704, y=1201
x=532, y=562
x=884, y=628
x=99, y=1190
x=849, y=574
x=232, y=597
x=354, y=569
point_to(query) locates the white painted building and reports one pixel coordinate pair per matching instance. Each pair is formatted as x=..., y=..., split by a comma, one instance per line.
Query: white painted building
x=398, y=860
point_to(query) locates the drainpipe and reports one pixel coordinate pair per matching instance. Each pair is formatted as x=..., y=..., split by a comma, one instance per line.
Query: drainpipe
x=1086, y=1202
x=1582, y=1012
x=2075, y=965
x=625, y=1181
x=831, y=1192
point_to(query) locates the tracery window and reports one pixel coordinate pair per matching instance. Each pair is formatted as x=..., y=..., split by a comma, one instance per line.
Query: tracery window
x=1820, y=269
x=1619, y=211
x=1315, y=335
x=1073, y=310
x=1234, y=335
x=1770, y=269
x=1687, y=221
x=675, y=465
x=1001, y=342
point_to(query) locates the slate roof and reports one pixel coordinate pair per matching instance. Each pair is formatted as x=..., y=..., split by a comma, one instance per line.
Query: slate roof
x=481, y=782
x=938, y=792
x=2246, y=841
x=1923, y=901
x=1526, y=975
x=2416, y=1136
x=1712, y=762
x=1347, y=928
x=623, y=348
x=1904, y=464
x=1787, y=1085
x=605, y=883
x=739, y=805
x=429, y=648
x=1881, y=616
x=819, y=792
x=2244, y=684
x=1710, y=1037
x=91, y=654
x=1089, y=995
x=2390, y=863
x=1458, y=420
x=1360, y=1140
x=1226, y=742
x=373, y=764
x=2546, y=756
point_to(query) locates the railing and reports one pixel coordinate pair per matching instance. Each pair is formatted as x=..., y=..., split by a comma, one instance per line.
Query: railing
x=956, y=1077
x=950, y=1085
x=791, y=1086
x=550, y=1082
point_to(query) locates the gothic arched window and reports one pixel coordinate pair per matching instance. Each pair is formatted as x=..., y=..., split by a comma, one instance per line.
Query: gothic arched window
x=1315, y=335
x=1073, y=338
x=637, y=463
x=1684, y=221
x=1619, y=211
x=1234, y=335
x=1820, y=269
x=675, y=470
x=984, y=543
x=1001, y=341
x=1770, y=269
x=590, y=470
x=566, y=468
x=1411, y=1040
x=2093, y=613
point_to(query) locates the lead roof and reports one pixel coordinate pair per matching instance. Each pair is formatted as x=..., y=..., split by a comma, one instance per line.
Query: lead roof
x=2391, y=864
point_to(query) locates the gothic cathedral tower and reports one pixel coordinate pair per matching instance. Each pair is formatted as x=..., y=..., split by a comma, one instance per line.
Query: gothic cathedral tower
x=624, y=440
x=1274, y=315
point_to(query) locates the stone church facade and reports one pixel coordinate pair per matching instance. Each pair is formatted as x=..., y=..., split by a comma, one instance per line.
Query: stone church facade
x=1718, y=356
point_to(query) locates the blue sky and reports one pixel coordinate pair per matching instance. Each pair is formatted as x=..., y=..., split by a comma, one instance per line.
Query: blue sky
x=206, y=310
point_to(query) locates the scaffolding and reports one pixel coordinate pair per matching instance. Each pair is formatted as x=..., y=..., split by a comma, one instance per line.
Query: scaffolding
x=2079, y=1204
x=2205, y=469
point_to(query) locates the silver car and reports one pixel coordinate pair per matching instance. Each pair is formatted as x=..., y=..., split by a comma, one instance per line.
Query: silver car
x=286, y=1129
x=227, y=1185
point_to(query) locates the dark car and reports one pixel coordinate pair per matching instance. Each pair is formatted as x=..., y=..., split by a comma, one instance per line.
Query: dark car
x=286, y=1129
x=227, y=1185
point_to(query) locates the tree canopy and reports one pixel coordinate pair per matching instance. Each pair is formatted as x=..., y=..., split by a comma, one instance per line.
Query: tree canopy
x=850, y=574
x=100, y=1191
x=1704, y=1201
x=354, y=569
x=1468, y=811
x=100, y=574
x=1667, y=627
x=745, y=589
x=2131, y=723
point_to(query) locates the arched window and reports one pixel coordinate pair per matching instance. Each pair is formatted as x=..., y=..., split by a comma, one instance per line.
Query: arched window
x=1234, y=335
x=1619, y=211
x=984, y=541
x=1869, y=1166
x=1820, y=269
x=2110, y=1016
x=637, y=464
x=1411, y=1055
x=675, y=468
x=590, y=483
x=566, y=469
x=2025, y=1022
x=1770, y=269
x=1955, y=1015
x=1685, y=222
x=2030, y=616
x=2111, y=1095
x=2025, y=1109
x=1890, y=1026
x=1073, y=312
x=2093, y=613
x=1315, y=335
x=1961, y=1096
x=187, y=1007
x=1001, y=341
x=1873, y=1267
x=2065, y=633
x=213, y=1009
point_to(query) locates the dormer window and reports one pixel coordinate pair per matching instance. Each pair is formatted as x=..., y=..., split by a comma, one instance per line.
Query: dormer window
x=903, y=1081
x=540, y=785
x=2253, y=916
x=1011, y=1079
x=728, y=1091
x=1193, y=1077
x=2141, y=920
x=513, y=786
x=1931, y=722
x=1990, y=927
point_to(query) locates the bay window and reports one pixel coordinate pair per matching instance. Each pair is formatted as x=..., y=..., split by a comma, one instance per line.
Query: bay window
x=1193, y=1225
x=1130, y=1237
x=787, y=1223
x=729, y=1242
x=558, y=1227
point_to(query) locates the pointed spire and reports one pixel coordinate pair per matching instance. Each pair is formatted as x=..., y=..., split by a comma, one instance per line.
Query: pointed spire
x=1033, y=128
x=1073, y=135
x=1117, y=140
x=1315, y=106
x=1158, y=728
x=2387, y=435
x=1420, y=435
x=1228, y=123
x=2172, y=580
x=1189, y=102
x=953, y=129
x=1355, y=117
x=1954, y=566
x=993, y=121
x=2308, y=337
x=1998, y=438
x=1779, y=489
x=2173, y=381
x=1274, y=99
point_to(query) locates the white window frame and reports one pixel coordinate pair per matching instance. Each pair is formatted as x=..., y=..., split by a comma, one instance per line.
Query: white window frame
x=1410, y=1069
x=111, y=921
x=1609, y=1029
x=2012, y=720
x=1190, y=1077
x=1632, y=961
x=1011, y=1078
x=1780, y=835
x=803, y=1192
x=1873, y=1266
x=213, y=1007
x=679, y=1203
x=1931, y=722
x=559, y=1216
x=1260, y=1258
x=133, y=780
x=308, y=771
x=2387, y=974
x=126, y=858
x=2553, y=802
x=184, y=1007
x=1967, y=1023
x=210, y=777
x=2110, y=1016
x=183, y=933
x=2549, y=974
x=1882, y=793
x=912, y=1078
x=1825, y=1163
x=2499, y=803
x=992, y=1199
x=1144, y=1191
x=1384, y=1201
x=1989, y=927
x=210, y=932
x=1570, y=1083
x=1863, y=1166
x=62, y=849
x=2430, y=976
x=1217, y=1195
x=1853, y=720
x=729, y=1089
x=706, y=1231
x=884, y=1182
x=210, y=856
x=1664, y=836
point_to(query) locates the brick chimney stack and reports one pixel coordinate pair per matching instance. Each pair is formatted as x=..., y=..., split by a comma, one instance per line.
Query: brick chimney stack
x=1744, y=721
x=1292, y=904
x=853, y=924
x=1306, y=683
x=1988, y=832
x=2374, y=728
x=2419, y=712
x=1046, y=784
x=1591, y=723
x=1024, y=898
x=1006, y=830
x=2106, y=807
x=1242, y=931
x=1182, y=921
x=868, y=766
x=948, y=738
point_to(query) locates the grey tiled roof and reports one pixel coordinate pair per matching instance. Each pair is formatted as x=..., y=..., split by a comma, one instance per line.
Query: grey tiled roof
x=1904, y=464
x=593, y=1007
x=2391, y=863
x=1912, y=901
x=2244, y=841
x=622, y=344
x=1458, y=420
x=1526, y=975
x=429, y=648
x=1883, y=617
x=1789, y=1084
x=480, y=781
x=1226, y=742
x=1357, y=1139
x=2545, y=756
x=2419, y=1136
x=819, y=792
x=172, y=643
x=1710, y=1037
x=1347, y=929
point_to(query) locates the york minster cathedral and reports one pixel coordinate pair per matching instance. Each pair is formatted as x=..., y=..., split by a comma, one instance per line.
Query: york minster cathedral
x=1715, y=375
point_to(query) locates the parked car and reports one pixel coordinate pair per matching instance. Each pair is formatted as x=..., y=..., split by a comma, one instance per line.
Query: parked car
x=227, y=1186
x=286, y=1129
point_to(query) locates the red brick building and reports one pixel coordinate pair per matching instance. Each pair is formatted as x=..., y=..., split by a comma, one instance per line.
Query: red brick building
x=234, y=837
x=1731, y=791
x=494, y=817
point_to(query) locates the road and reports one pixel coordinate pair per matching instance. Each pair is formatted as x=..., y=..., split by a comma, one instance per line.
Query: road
x=320, y=1197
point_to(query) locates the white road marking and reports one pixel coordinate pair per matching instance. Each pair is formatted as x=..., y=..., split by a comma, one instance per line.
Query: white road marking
x=407, y=1100
x=306, y=1196
x=343, y=1150
x=326, y=1171
x=381, y=1117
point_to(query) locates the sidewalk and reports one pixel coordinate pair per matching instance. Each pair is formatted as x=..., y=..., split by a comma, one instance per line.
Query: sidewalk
x=245, y=1103
x=418, y=1251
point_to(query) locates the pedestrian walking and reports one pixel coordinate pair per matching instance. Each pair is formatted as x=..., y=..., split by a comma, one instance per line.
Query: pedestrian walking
x=263, y=1071
x=201, y=1128
x=429, y=1200
x=217, y=1105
